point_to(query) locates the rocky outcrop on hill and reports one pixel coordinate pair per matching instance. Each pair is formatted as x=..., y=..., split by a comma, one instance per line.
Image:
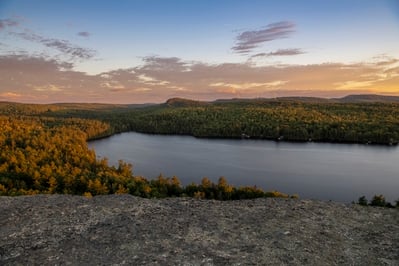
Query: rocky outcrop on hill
x=126, y=230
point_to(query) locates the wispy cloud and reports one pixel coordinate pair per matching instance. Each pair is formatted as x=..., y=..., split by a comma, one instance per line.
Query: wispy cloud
x=9, y=22
x=143, y=89
x=248, y=40
x=63, y=46
x=47, y=88
x=8, y=95
x=26, y=63
x=249, y=85
x=151, y=81
x=84, y=34
x=280, y=52
x=114, y=85
x=171, y=63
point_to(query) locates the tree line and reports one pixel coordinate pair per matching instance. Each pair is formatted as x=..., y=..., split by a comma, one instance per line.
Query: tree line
x=376, y=123
x=352, y=123
x=378, y=201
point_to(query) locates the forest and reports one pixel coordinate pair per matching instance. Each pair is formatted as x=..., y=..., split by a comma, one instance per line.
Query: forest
x=44, y=147
x=41, y=154
x=289, y=120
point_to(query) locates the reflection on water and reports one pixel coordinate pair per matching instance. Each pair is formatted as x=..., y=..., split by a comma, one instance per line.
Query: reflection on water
x=340, y=172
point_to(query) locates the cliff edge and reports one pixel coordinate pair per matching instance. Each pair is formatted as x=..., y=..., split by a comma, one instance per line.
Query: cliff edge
x=126, y=230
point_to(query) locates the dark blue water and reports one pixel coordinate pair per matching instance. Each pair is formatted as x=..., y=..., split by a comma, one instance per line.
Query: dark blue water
x=339, y=172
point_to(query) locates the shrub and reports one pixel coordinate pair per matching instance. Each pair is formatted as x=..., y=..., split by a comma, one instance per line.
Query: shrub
x=362, y=201
x=378, y=200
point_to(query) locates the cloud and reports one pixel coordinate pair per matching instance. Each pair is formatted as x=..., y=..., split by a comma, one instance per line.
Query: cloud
x=84, y=34
x=249, y=85
x=40, y=79
x=27, y=64
x=162, y=63
x=63, y=46
x=248, y=40
x=113, y=85
x=280, y=52
x=151, y=81
x=387, y=61
x=9, y=94
x=354, y=84
x=143, y=89
x=47, y=87
x=221, y=80
x=176, y=88
x=117, y=89
x=5, y=23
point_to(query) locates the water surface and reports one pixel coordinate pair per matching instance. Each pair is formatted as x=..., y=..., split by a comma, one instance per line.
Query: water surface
x=339, y=172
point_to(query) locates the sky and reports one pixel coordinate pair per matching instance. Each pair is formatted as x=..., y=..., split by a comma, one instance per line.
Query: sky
x=147, y=51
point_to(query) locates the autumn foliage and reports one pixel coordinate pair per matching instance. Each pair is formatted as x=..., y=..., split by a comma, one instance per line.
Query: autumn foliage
x=50, y=155
x=43, y=148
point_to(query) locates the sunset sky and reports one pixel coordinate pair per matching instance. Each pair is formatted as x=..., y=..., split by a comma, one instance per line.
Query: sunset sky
x=140, y=51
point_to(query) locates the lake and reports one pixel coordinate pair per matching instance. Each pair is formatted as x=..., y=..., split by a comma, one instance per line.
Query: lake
x=339, y=172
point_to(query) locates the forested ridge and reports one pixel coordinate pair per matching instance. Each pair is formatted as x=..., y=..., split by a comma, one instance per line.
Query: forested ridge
x=44, y=149
x=292, y=121
x=303, y=119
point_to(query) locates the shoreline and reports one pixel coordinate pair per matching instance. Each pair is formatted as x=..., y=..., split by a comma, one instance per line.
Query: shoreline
x=394, y=145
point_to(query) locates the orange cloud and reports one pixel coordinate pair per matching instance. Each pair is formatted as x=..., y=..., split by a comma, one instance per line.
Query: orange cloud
x=10, y=95
x=42, y=80
x=47, y=88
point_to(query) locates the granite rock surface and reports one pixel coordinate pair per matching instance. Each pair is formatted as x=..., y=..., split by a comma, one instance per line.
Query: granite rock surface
x=126, y=230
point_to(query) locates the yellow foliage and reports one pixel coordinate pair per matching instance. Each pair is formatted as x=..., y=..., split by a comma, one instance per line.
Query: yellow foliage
x=87, y=195
x=228, y=189
x=199, y=195
x=121, y=190
x=222, y=182
x=147, y=189
x=175, y=181
x=277, y=194
x=97, y=187
x=206, y=183
x=3, y=189
x=52, y=184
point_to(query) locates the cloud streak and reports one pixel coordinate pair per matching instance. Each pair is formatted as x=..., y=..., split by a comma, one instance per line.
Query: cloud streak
x=280, y=52
x=72, y=51
x=249, y=40
x=6, y=23
x=84, y=34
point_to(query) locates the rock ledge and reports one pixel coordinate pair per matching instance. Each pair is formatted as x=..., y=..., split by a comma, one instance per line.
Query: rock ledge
x=126, y=230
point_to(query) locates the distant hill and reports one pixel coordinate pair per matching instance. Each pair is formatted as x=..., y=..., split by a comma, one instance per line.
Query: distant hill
x=278, y=99
x=305, y=99
x=181, y=102
x=361, y=98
